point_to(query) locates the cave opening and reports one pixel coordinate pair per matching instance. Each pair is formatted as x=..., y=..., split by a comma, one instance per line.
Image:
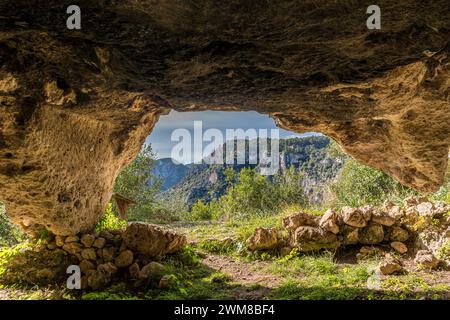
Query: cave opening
x=199, y=159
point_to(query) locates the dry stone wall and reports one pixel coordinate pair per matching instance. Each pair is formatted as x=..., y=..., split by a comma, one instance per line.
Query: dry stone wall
x=420, y=228
x=131, y=255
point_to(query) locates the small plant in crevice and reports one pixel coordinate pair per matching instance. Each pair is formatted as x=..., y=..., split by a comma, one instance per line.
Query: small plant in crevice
x=218, y=246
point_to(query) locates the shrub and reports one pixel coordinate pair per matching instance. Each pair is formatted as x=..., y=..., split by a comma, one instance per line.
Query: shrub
x=443, y=194
x=9, y=233
x=444, y=251
x=187, y=257
x=200, y=211
x=110, y=221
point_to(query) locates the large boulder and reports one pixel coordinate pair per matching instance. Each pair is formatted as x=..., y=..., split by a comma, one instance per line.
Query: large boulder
x=394, y=211
x=425, y=209
x=312, y=238
x=263, y=238
x=98, y=279
x=150, y=270
x=367, y=211
x=349, y=235
x=124, y=259
x=152, y=240
x=398, y=234
x=433, y=209
x=400, y=247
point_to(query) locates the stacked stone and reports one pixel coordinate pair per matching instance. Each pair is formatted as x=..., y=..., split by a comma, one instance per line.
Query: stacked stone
x=389, y=224
x=351, y=226
x=130, y=254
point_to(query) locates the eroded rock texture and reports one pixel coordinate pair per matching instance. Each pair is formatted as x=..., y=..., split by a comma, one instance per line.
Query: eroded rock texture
x=77, y=104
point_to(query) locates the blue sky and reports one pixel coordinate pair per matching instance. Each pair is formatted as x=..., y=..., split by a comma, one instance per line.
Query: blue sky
x=160, y=138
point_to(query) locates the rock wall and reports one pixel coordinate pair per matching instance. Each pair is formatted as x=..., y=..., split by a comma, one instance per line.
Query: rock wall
x=75, y=105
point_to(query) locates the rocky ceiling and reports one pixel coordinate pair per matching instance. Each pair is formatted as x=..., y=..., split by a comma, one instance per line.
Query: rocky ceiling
x=76, y=105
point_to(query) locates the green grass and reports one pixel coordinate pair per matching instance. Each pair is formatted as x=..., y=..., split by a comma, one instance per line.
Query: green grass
x=191, y=283
x=209, y=236
x=318, y=276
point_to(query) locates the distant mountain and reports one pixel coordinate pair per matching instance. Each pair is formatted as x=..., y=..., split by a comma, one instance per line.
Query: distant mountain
x=207, y=182
x=169, y=172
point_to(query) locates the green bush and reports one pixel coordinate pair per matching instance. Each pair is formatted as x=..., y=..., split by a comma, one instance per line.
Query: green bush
x=9, y=233
x=110, y=221
x=137, y=182
x=200, y=211
x=251, y=194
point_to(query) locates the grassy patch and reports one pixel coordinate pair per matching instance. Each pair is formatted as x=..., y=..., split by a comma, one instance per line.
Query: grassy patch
x=444, y=251
x=212, y=236
x=318, y=276
x=110, y=221
x=218, y=246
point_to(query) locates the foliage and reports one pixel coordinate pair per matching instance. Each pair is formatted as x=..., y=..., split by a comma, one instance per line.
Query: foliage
x=200, y=211
x=9, y=233
x=186, y=257
x=318, y=276
x=444, y=251
x=443, y=194
x=359, y=185
x=110, y=221
x=288, y=189
x=195, y=283
x=137, y=182
x=251, y=194
x=7, y=254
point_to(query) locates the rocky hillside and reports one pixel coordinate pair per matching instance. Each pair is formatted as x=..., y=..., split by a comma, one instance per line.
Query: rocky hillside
x=207, y=182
